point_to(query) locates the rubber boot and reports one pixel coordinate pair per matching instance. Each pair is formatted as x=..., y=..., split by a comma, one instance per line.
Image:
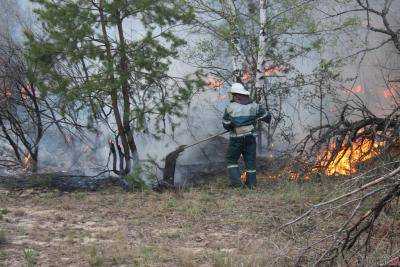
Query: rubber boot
x=234, y=177
x=251, y=180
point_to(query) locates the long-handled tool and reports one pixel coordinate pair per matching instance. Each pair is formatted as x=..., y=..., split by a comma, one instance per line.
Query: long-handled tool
x=170, y=160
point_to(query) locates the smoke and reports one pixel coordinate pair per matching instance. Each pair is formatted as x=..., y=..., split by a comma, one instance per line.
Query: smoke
x=90, y=155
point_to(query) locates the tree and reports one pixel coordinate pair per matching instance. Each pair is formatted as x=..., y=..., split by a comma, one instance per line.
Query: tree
x=264, y=41
x=20, y=114
x=367, y=195
x=25, y=114
x=126, y=76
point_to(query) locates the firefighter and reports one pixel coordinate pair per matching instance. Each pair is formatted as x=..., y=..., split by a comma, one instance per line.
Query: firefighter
x=240, y=119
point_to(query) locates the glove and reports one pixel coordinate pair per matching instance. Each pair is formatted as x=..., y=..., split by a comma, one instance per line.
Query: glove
x=228, y=126
x=267, y=118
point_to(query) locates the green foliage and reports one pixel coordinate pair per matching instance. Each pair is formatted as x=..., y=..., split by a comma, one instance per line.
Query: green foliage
x=327, y=69
x=207, y=197
x=3, y=256
x=135, y=181
x=81, y=196
x=292, y=32
x=146, y=256
x=73, y=61
x=223, y=259
x=96, y=258
x=318, y=44
x=31, y=257
x=171, y=203
x=3, y=237
x=351, y=22
x=3, y=211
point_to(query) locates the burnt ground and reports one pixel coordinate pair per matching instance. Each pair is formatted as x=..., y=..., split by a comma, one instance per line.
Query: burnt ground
x=210, y=225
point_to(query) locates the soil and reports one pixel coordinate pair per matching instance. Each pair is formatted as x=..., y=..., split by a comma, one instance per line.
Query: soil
x=211, y=225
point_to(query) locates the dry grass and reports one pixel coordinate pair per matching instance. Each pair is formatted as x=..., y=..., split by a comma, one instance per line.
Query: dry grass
x=210, y=226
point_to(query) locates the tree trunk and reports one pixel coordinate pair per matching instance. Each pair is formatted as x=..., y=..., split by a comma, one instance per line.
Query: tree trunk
x=125, y=93
x=114, y=96
x=261, y=62
x=13, y=144
x=238, y=57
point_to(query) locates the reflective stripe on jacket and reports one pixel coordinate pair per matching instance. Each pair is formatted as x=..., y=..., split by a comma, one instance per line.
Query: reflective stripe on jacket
x=238, y=115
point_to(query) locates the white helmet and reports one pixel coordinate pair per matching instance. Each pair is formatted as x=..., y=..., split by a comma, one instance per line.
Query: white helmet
x=238, y=88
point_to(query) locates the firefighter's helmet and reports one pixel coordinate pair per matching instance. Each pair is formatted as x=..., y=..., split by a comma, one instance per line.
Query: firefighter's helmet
x=237, y=88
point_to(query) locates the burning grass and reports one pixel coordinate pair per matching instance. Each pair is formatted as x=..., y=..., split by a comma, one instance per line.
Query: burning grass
x=333, y=161
x=347, y=158
x=211, y=225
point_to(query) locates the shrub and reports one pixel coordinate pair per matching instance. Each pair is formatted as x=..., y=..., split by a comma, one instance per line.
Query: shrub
x=95, y=257
x=135, y=182
x=3, y=237
x=3, y=211
x=30, y=256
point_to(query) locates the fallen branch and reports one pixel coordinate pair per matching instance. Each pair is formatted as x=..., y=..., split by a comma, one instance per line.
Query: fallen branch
x=372, y=183
x=61, y=181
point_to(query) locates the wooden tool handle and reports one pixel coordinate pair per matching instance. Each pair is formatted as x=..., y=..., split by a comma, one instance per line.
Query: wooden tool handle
x=206, y=139
x=211, y=137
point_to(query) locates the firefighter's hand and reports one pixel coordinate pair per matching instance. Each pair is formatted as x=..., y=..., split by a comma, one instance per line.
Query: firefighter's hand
x=267, y=117
x=228, y=127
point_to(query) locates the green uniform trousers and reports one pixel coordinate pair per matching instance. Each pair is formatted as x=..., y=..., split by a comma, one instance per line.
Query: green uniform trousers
x=245, y=146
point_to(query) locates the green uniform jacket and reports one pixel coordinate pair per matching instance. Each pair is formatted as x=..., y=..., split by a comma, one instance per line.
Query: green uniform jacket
x=242, y=117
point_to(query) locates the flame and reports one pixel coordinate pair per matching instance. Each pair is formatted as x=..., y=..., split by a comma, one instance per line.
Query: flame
x=294, y=175
x=358, y=89
x=86, y=149
x=24, y=93
x=214, y=83
x=273, y=70
x=7, y=92
x=391, y=91
x=244, y=177
x=387, y=93
x=27, y=91
x=347, y=159
x=246, y=76
x=27, y=161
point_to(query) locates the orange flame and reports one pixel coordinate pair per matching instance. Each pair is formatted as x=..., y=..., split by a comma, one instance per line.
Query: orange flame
x=24, y=93
x=7, y=92
x=347, y=159
x=86, y=149
x=358, y=89
x=244, y=177
x=392, y=91
x=28, y=90
x=246, y=76
x=294, y=175
x=387, y=93
x=273, y=70
x=333, y=109
x=27, y=161
x=214, y=83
